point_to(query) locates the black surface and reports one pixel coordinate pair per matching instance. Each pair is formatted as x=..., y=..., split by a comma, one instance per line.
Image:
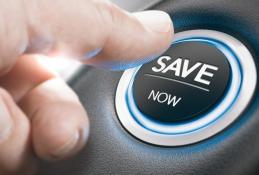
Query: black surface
x=163, y=95
x=111, y=150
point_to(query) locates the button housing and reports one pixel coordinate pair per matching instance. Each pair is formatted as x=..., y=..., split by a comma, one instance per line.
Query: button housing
x=241, y=88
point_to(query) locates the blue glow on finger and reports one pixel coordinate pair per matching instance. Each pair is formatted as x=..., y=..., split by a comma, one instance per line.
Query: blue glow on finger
x=92, y=54
x=125, y=64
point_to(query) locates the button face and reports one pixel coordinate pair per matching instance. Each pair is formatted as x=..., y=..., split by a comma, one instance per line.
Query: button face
x=185, y=82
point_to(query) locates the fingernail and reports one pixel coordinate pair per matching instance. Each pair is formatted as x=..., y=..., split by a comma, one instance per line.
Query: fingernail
x=157, y=21
x=68, y=148
x=6, y=122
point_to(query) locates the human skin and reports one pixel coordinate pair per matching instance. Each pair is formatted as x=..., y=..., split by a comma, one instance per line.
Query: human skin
x=40, y=116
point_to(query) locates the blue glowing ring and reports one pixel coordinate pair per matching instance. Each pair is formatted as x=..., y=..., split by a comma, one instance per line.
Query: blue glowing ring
x=204, y=119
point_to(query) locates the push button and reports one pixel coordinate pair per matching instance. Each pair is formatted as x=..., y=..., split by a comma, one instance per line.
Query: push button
x=197, y=88
x=186, y=81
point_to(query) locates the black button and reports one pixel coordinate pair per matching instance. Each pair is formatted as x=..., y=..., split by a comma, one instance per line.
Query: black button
x=186, y=81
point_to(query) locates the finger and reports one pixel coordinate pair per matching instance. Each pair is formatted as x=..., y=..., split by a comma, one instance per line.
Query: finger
x=53, y=108
x=81, y=29
x=85, y=29
x=60, y=125
x=15, y=151
x=137, y=39
x=27, y=73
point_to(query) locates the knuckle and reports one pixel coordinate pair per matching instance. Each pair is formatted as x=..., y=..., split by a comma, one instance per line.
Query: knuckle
x=4, y=94
x=114, y=18
x=109, y=10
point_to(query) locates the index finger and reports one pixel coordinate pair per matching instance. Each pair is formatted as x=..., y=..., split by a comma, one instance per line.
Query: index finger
x=95, y=29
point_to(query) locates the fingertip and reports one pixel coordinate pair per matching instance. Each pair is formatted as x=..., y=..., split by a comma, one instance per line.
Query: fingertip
x=146, y=36
x=63, y=135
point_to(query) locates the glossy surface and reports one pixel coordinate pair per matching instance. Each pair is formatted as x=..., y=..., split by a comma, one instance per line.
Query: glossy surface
x=190, y=75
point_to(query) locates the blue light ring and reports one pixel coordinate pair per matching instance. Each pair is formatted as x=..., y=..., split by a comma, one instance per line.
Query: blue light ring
x=139, y=117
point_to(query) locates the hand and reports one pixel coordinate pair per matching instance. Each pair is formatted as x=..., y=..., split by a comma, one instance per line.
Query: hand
x=40, y=116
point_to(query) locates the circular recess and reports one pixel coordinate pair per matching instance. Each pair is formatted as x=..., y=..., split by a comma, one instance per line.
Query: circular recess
x=199, y=86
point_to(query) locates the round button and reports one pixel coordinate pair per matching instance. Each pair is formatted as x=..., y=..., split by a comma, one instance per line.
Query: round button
x=186, y=81
x=197, y=88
